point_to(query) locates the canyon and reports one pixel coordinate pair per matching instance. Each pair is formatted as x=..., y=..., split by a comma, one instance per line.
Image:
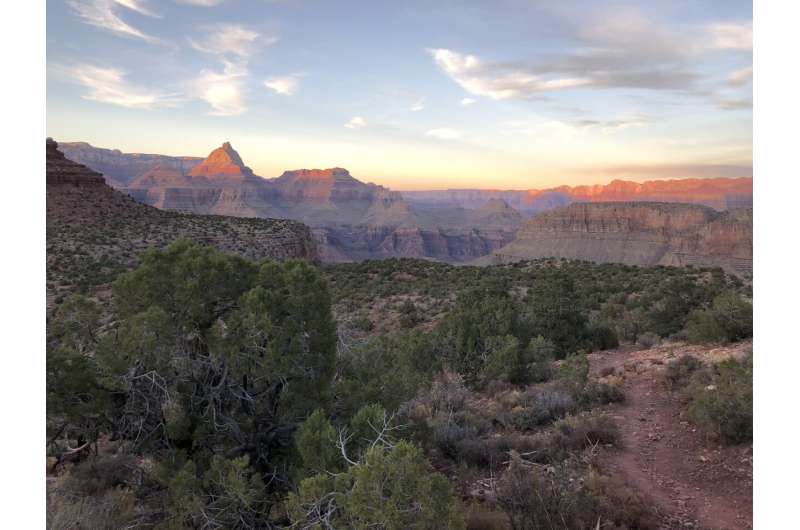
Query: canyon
x=717, y=193
x=95, y=231
x=637, y=233
x=659, y=222
x=351, y=220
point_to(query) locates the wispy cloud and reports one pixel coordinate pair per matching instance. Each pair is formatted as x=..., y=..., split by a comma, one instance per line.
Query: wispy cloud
x=102, y=14
x=614, y=126
x=732, y=36
x=286, y=85
x=356, y=122
x=479, y=78
x=407, y=99
x=734, y=103
x=223, y=91
x=445, y=133
x=618, y=50
x=466, y=102
x=109, y=85
x=138, y=6
x=234, y=45
x=232, y=40
x=741, y=77
x=203, y=3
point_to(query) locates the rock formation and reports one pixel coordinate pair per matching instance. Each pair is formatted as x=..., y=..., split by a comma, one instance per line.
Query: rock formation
x=95, y=231
x=640, y=233
x=120, y=169
x=62, y=171
x=352, y=220
x=717, y=193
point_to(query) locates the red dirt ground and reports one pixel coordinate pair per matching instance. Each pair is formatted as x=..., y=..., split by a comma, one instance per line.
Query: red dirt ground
x=694, y=482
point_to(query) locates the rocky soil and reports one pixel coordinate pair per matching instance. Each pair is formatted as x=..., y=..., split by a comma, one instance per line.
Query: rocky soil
x=693, y=482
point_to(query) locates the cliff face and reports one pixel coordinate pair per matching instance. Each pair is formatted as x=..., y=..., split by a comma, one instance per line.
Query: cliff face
x=64, y=172
x=459, y=245
x=352, y=220
x=717, y=193
x=121, y=168
x=638, y=234
x=95, y=231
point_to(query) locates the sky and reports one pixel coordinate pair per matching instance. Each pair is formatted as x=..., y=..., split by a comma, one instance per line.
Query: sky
x=508, y=94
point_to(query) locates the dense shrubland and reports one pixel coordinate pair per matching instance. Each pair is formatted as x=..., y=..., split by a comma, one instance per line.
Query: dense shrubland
x=225, y=393
x=575, y=304
x=719, y=396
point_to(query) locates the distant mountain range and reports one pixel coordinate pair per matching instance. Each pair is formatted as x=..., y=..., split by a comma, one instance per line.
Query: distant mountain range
x=94, y=231
x=717, y=193
x=352, y=220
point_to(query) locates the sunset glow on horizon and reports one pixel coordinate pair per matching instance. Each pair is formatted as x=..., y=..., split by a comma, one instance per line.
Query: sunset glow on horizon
x=504, y=95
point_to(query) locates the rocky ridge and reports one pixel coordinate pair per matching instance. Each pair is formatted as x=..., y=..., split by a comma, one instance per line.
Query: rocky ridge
x=717, y=193
x=352, y=220
x=94, y=231
x=638, y=233
x=119, y=168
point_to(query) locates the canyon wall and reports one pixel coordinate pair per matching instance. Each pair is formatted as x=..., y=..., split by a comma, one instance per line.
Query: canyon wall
x=638, y=233
x=94, y=231
x=717, y=193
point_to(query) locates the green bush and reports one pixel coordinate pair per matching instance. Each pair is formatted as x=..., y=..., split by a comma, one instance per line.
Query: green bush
x=573, y=374
x=678, y=372
x=391, y=488
x=730, y=318
x=722, y=405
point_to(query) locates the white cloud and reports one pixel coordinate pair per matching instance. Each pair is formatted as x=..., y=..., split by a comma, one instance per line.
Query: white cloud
x=203, y=3
x=285, y=86
x=101, y=13
x=732, y=36
x=136, y=5
x=445, y=133
x=231, y=40
x=233, y=45
x=108, y=85
x=417, y=105
x=224, y=92
x=741, y=77
x=614, y=126
x=466, y=102
x=483, y=80
x=356, y=122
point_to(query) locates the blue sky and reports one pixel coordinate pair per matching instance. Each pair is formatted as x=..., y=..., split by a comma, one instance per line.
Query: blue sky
x=413, y=95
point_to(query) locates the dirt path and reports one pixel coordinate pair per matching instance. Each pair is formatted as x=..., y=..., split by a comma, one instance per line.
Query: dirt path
x=693, y=482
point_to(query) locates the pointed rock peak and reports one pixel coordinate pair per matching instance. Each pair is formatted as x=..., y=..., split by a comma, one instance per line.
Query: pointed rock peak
x=225, y=155
x=223, y=161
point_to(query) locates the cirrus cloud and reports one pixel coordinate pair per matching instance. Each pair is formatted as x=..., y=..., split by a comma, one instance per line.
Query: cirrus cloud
x=285, y=86
x=232, y=40
x=102, y=14
x=741, y=77
x=732, y=36
x=494, y=81
x=109, y=85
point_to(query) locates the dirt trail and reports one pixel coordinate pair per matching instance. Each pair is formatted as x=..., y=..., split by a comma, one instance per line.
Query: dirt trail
x=694, y=482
